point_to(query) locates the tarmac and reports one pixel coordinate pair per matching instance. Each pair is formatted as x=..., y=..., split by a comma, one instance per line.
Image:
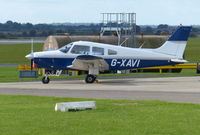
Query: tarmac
x=173, y=89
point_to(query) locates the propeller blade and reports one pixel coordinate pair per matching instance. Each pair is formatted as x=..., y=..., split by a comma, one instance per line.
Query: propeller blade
x=32, y=64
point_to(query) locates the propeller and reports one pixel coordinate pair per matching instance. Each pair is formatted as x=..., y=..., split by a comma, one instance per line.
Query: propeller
x=31, y=56
x=32, y=64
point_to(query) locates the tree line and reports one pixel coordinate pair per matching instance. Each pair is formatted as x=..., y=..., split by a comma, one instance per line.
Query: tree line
x=12, y=29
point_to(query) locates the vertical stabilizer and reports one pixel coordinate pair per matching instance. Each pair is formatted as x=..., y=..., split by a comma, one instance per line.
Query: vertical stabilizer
x=176, y=43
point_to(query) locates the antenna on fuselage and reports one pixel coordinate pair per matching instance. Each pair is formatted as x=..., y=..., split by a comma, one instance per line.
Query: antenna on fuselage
x=142, y=45
x=123, y=41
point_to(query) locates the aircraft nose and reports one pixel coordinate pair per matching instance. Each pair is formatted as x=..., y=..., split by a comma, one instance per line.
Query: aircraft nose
x=29, y=56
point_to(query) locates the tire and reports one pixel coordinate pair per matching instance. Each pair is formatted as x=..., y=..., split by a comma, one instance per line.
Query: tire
x=90, y=79
x=45, y=80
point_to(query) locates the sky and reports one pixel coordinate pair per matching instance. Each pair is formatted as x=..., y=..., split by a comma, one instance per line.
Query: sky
x=149, y=12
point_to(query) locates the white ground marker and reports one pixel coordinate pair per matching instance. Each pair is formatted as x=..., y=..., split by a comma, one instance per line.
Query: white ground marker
x=70, y=106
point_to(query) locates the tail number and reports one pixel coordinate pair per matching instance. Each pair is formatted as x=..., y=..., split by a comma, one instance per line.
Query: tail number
x=125, y=62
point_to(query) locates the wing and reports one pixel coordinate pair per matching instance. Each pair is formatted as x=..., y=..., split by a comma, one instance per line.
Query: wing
x=89, y=62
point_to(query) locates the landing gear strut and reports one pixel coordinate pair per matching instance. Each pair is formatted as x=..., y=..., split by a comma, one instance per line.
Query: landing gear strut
x=90, y=78
x=45, y=80
x=50, y=72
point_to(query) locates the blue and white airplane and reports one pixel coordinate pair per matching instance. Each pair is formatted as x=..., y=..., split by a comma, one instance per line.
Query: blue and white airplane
x=98, y=57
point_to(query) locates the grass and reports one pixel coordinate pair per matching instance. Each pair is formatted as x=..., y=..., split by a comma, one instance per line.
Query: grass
x=15, y=53
x=9, y=74
x=192, y=50
x=24, y=115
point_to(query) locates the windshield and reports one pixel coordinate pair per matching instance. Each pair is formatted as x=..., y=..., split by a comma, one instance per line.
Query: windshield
x=66, y=48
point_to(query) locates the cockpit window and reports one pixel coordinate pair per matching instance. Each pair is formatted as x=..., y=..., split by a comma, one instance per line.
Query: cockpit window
x=66, y=48
x=97, y=51
x=80, y=49
x=112, y=52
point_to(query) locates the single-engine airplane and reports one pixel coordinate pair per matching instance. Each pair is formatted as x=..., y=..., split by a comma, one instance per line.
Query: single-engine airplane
x=98, y=57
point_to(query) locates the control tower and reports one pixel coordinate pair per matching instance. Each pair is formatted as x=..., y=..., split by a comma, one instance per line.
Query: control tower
x=122, y=24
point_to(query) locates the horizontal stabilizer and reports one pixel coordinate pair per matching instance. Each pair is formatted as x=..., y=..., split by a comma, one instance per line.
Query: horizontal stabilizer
x=179, y=61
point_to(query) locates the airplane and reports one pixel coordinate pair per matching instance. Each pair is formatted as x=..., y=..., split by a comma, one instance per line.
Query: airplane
x=98, y=57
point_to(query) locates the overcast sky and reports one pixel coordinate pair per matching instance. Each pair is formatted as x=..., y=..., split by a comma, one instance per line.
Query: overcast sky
x=173, y=12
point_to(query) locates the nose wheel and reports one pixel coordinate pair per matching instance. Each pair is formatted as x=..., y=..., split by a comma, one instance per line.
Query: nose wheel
x=45, y=80
x=90, y=78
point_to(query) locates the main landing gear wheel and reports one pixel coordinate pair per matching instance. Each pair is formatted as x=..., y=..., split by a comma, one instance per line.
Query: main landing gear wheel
x=90, y=78
x=45, y=80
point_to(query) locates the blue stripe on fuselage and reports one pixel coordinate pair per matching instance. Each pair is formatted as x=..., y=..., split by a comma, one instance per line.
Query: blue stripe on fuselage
x=114, y=64
x=53, y=63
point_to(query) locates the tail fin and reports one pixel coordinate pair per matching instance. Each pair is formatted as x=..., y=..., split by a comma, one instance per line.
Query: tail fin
x=176, y=43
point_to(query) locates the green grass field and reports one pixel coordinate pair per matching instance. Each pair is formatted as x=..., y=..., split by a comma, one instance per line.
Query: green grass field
x=31, y=115
x=15, y=54
x=192, y=50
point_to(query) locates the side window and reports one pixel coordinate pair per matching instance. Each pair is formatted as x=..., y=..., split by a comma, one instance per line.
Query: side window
x=80, y=49
x=97, y=51
x=112, y=52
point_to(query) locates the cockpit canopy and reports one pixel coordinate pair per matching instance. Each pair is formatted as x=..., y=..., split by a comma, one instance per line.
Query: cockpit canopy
x=87, y=49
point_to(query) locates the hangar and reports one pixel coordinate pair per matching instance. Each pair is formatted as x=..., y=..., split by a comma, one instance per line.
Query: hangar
x=55, y=42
